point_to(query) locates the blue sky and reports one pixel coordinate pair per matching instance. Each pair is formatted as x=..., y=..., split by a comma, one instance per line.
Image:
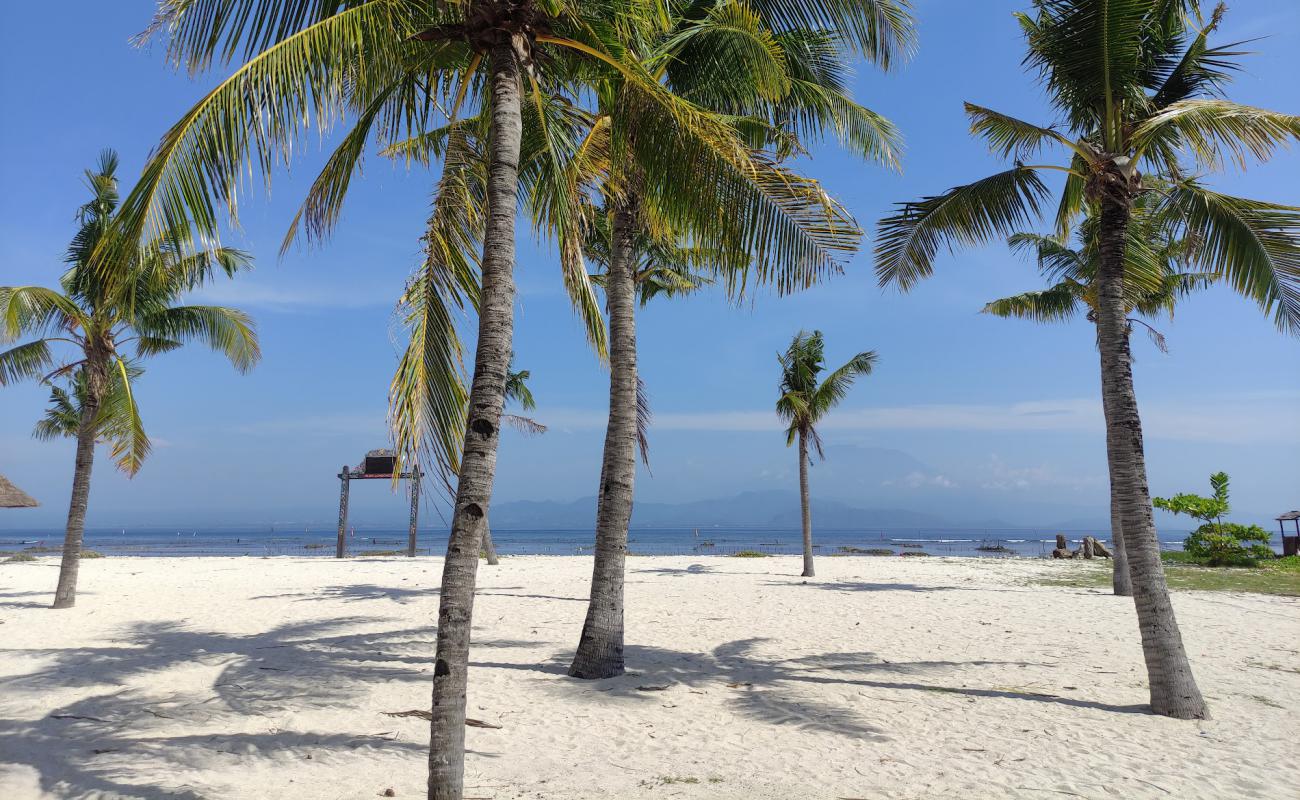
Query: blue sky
x=1000, y=418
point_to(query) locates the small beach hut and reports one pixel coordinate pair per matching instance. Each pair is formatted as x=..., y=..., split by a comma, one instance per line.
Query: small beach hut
x=13, y=497
x=1290, y=544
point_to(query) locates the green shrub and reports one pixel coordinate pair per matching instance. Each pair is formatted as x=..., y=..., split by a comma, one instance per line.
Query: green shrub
x=20, y=557
x=91, y=554
x=1228, y=544
x=750, y=554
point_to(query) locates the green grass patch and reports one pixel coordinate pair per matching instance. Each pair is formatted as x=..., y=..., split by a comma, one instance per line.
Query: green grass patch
x=381, y=553
x=91, y=554
x=749, y=554
x=18, y=558
x=1280, y=576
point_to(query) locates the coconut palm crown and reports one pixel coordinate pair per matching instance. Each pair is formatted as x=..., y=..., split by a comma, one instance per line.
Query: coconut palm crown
x=805, y=401
x=107, y=318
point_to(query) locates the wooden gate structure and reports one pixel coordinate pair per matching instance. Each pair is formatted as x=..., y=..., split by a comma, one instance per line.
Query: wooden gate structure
x=376, y=465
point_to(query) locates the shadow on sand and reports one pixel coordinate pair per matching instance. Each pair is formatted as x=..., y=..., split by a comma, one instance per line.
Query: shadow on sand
x=94, y=746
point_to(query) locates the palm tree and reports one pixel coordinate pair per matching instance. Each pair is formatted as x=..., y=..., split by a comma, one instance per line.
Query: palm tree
x=804, y=403
x=1074, y=271
x=112, y=318
x=778, y=74
x=1136, y=83
x=630, y=151
x=392, y=65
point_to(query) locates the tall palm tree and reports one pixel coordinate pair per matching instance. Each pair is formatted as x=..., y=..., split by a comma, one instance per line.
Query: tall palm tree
x=804, y=403
x=393, y=66
x=1074, y=271
x=111, y=318
x=630, y=152
x=1136, y=83
x=778, y=75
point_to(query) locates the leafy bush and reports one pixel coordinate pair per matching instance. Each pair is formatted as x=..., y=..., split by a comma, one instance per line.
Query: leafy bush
x=1227, y=544
x=1217, y=543
x=91, y=554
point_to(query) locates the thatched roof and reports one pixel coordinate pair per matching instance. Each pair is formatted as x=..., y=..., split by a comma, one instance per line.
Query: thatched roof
x=13, y=497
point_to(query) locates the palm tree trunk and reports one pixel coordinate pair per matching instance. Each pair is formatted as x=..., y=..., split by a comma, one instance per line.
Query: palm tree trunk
x=805, y=506
x=600, y=648
x=482, y=434
x=1173, y=688
x=1121, y=584
x=65, y=595
x=489, y=547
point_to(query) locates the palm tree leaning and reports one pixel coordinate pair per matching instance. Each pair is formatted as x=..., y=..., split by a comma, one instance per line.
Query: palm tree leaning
x=804, y=403
x=1136, y=83
x=1146, y=293
x=111, y=319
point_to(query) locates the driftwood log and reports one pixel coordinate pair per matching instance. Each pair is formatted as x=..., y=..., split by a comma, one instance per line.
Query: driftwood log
x=1090, y=548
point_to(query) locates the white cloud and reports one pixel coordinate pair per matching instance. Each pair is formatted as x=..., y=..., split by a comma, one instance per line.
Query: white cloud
x=917, y=479
x=247, y=294
x=1233, y=419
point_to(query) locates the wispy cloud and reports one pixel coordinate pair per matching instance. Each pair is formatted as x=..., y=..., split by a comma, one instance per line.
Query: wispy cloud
x=246, y=294
x=1238, y=419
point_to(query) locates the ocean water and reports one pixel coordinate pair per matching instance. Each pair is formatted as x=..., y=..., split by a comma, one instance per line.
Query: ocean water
x=320, y=542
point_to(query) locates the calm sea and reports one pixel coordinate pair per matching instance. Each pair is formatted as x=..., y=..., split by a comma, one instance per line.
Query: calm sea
x=320, y=542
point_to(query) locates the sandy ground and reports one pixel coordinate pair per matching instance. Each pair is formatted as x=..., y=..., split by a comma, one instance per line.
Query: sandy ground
x=881, y=678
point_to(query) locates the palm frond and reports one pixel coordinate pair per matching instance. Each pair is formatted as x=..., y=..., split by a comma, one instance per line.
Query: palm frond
x=1058, y=303
x=835, y=387
x=1009, y=136
x=908, y=241
x=882, y=31
x=644, y=416
x=35, y=311
x=1253, y=245
x=1202, y=70
x=119, y=421
x=1212, y=129
x=25, y=361
x=226, y=330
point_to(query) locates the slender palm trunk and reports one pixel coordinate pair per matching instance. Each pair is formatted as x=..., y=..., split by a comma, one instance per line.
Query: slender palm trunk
x=65, y=596
x=1121, y=584
x=600, y=649
x=805, y=506
x=489, y=547
x=482, y=434
x=1173, y=688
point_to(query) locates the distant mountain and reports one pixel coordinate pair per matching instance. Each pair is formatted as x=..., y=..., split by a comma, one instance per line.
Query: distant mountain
x=776, y=509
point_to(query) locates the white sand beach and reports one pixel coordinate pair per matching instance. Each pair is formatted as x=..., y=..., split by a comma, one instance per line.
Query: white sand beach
x=881, y=678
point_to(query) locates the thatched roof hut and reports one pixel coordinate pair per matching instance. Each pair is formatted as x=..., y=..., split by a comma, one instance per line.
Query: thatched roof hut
x=13, y=497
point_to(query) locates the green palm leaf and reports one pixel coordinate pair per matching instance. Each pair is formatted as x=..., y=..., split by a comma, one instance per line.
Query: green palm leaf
x=908, y=241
